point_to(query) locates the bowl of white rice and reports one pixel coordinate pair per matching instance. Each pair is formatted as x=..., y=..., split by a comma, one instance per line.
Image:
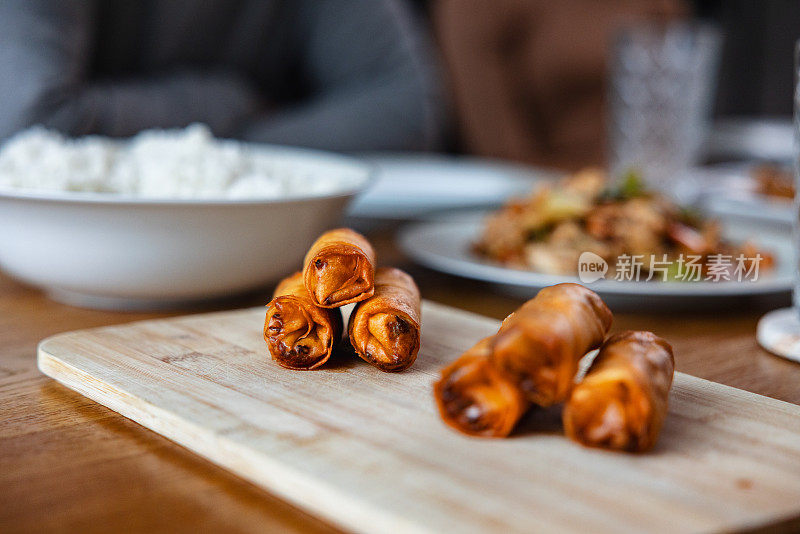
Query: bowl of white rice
x=164, y=218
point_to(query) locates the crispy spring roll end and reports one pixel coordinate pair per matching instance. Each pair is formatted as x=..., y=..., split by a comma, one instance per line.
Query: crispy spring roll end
x=299, y=334
x=610, y=414
x=475, y=399
x=340, y=278
x=294, y=339
x=392, y=342
x=385, y=328
x=339, y=268
x=622, y=402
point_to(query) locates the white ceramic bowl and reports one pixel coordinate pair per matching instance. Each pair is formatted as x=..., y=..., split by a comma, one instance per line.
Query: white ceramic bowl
x=111, y=251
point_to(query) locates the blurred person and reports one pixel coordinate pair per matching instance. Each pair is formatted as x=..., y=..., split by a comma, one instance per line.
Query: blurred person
x=528, y=76
x=341, y=75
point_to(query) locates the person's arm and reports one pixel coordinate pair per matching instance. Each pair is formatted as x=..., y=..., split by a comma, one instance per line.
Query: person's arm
x=476, y=38
x=528, y=75
x=45, y=49
x=372, y=82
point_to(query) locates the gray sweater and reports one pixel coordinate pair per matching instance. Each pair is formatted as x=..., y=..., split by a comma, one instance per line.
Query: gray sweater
x=336, y=74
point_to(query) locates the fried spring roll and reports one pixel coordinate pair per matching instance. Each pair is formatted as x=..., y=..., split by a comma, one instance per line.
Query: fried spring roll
x=384, y=329
x=339, y=268
x=539, y=347
x=622, y=401
x=474, y=398
x=300, y=334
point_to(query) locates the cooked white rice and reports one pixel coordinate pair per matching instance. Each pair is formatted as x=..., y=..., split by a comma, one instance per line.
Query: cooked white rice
x=186, y=163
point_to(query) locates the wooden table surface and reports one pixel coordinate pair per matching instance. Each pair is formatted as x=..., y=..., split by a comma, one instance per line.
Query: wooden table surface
x=67, y=463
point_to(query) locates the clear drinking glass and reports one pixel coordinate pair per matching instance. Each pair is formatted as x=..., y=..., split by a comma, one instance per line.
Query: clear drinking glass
x=662, y=78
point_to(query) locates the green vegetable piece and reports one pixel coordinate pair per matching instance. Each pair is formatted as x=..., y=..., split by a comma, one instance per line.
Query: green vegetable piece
x=632, y=185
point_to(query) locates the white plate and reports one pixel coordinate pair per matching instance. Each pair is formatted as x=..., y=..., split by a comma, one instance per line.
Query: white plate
x=410, y=185
x=443, y=243
x=728, y=190
x=748, y=138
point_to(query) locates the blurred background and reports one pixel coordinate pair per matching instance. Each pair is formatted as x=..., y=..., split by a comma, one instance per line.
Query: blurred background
x=452, y=103
x=522, y=80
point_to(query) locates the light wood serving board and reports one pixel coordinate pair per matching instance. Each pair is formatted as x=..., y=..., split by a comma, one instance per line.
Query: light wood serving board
x=367, y=450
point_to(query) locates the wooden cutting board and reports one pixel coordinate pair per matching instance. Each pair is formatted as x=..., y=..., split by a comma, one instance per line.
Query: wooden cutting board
x=367, y=450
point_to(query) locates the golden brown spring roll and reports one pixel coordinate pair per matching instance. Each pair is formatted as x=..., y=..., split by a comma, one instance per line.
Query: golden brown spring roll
x=300, y=334
x=539, y=347
x=474, y=398
x=622, y=401
x=339, y=268
x=384, y=329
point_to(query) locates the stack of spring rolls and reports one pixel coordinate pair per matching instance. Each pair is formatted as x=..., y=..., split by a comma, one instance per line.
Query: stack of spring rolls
x=533, y=360
x=304, y=323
